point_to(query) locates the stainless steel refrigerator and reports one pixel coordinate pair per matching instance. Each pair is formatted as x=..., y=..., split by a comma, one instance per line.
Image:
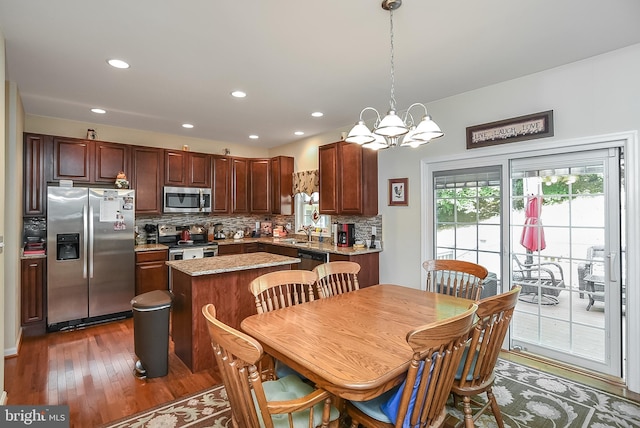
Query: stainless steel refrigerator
x=90, y=254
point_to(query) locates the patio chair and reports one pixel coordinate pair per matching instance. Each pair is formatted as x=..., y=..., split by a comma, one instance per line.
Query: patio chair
x=591, y=276
x=286, y=402
x=541, y=282
x=455, y=277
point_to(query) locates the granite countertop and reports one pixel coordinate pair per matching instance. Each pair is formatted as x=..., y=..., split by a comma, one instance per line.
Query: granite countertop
x=32, y=256
x=230, y=263
x=150, y=247
x=300, y=243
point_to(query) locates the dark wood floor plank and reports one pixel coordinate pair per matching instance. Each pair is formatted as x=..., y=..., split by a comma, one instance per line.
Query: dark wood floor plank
x=91, y=370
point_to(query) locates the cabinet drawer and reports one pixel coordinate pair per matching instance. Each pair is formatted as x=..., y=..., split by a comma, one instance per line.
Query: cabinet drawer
x=151, y=256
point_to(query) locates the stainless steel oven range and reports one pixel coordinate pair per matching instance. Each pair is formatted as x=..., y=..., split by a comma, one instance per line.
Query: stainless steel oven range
x=195, y=246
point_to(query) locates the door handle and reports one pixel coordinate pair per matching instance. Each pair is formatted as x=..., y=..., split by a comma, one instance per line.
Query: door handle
x=90, y=242
x=85, y=241
x=612, y=267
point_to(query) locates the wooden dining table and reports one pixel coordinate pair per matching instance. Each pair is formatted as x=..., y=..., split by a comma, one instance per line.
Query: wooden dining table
x=352, y=344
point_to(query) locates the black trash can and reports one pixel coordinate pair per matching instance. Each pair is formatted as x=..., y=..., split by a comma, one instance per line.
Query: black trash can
x=151, y=333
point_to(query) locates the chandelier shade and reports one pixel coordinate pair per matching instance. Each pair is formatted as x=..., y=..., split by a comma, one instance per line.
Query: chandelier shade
x=388, y=131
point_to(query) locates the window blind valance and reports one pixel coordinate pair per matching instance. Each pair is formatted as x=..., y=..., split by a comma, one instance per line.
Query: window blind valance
x=306, y=182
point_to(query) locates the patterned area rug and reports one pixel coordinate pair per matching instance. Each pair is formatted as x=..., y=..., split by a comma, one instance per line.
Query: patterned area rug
x=527, y=397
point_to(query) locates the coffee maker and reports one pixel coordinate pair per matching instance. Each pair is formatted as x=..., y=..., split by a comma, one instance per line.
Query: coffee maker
x=346, y=234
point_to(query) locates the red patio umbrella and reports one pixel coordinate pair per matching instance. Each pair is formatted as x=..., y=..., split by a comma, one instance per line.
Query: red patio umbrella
x=532, y=237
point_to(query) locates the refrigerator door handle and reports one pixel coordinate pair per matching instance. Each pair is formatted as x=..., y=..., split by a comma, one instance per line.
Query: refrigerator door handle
x=90, y=258
x=85, y=226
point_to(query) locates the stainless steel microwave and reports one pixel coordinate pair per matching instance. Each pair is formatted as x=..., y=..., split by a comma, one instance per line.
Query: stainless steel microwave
x=187, y=200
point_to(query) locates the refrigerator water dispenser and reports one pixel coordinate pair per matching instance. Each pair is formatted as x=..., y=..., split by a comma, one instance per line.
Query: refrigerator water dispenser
x=67, y=245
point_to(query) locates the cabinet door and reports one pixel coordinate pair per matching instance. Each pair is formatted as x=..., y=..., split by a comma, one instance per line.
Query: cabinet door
x=260, y=184
x=281, y=185
x=369, y=267
x=32, y=287
x=36, y=171
x=350, y=173
x=151, y=271
x=240, y=185
x=198, y=170
x=147, y=179
x=71, y=159
x=328, y=169
x=110, y=159
x=227, y=249
x=175, y=166
x=221, y=185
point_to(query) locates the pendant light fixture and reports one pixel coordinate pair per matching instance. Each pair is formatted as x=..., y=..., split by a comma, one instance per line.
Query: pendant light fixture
x=392, y=130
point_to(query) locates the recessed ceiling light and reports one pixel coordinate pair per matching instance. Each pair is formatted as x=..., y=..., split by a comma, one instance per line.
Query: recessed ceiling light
x=299, y=133
x=98, y=110
x=317, y=114
x=187, y=125
x=254, y=137
x=117, y=63
x=238, y=94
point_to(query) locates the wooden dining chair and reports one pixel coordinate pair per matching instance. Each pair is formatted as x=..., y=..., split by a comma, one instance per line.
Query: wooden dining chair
x=287, y=402
x=275, y=290
x=421, y=399
x=476, y=372
x=455, y=277
x=336, y=278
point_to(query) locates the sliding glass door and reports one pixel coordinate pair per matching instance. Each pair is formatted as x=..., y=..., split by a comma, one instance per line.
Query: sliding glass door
x=567, y=254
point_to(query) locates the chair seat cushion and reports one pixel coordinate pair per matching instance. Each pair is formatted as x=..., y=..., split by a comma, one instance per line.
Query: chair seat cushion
x=283, y=370
x=289, y=388
x=384, y=408
x=463, y=361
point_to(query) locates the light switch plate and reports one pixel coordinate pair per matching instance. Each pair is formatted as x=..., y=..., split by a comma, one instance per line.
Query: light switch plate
x=373, y=230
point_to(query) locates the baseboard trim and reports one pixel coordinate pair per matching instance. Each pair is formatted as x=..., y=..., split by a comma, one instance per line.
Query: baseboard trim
x=3, y=398
x=13, y=352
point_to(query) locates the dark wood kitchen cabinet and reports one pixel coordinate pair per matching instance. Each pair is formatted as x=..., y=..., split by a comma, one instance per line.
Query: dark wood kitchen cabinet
x=183, y=168
x=37, y=171
x=147, y=179
x=110, y=159
x=282, y=185
x=348, y=179
x=33, y=296
x=220, y=184
x=151, y=271
x=239, y=185
x=369, y=267
x=259, y=186
x=72, y=159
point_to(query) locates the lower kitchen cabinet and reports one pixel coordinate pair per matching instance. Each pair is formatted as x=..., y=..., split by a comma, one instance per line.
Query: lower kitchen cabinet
x=33, y=296
x=369, y=267
x=227, y=249
x=151, y=271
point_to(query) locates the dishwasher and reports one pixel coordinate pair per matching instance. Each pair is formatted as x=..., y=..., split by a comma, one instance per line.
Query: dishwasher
x=310, y=259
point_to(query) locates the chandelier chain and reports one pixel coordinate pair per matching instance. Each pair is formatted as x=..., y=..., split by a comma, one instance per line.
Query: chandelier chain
x=392, y=101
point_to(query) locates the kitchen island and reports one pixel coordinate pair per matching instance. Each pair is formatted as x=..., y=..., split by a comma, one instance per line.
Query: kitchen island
x=223, y=281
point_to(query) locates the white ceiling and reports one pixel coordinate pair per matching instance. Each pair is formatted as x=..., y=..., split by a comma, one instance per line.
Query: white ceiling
x=291, y=57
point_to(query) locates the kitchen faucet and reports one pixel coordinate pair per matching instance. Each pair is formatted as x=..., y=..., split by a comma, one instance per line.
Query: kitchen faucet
x=307, y=231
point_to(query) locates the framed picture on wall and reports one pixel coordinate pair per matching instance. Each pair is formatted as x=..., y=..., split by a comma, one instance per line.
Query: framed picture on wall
x=398, y=191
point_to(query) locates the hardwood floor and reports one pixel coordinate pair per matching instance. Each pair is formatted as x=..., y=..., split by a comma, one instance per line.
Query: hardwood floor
x=91, y=370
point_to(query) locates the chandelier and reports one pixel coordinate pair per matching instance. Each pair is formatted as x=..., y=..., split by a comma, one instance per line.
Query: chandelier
x=392, y=130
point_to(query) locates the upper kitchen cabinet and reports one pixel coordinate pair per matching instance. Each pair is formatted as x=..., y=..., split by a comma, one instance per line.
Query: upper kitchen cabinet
x=221, y=184
x=110, y=159
x=147, y=179
x=88, y=161
x=72, y=159
x=260, y=183
x=348, y=179
x=37, y=171
x=281, y=185
x=239, y=185
x=183, y=168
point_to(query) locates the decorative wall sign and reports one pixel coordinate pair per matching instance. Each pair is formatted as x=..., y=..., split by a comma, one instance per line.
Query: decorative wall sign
x=529, y=127
x=398, y=191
